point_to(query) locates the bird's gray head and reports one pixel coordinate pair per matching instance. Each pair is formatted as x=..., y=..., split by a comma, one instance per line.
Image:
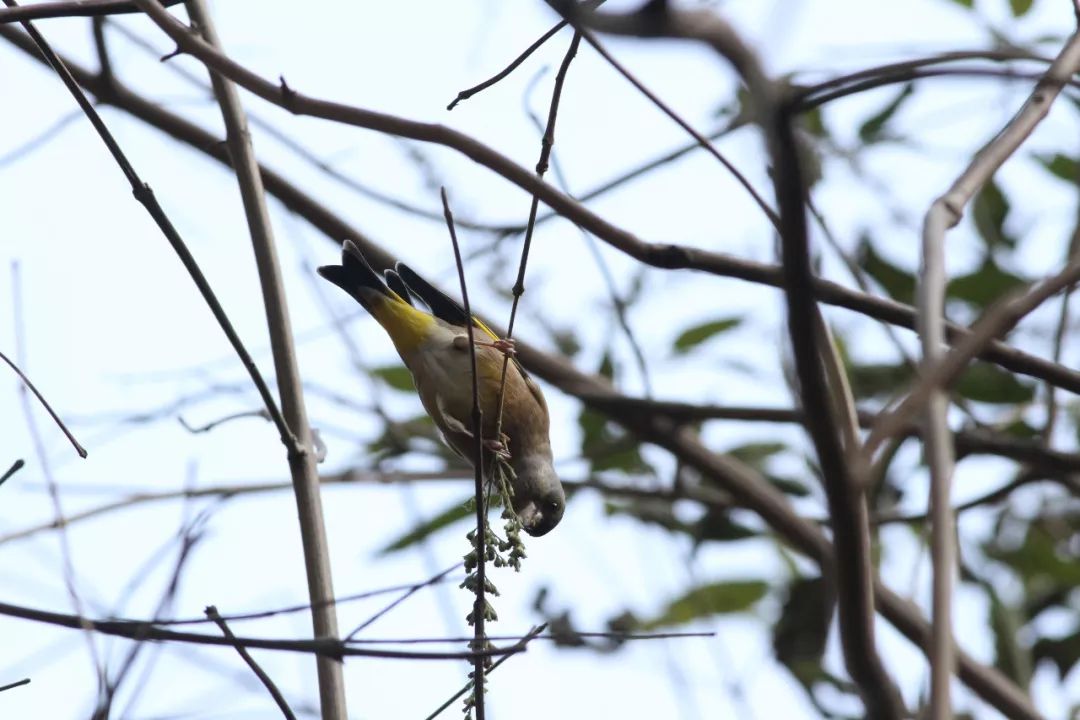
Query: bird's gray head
x=539, y=500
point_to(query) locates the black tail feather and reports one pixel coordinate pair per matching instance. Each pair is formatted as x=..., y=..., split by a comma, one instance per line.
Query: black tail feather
x=354, y=274
x=442, y=305
x=395, y=283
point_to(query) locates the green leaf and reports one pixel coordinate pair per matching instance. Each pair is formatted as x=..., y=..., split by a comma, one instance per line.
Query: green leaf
x=898, y=283
x=989, y=211
x=1064, y=652
x=694, y=336
x=609, y=447
x=708, y=600
x=456, y=512
x=987, y=383
x=788, y=485
x=716, y=525
x=965, y=3
x=1020, y=7
x=653, y=512
x=754, y=454
x=1038, y=560
x=872, y=130
x=1061, y=166
x=875, y=379
x=1010, y=656
x=985, y=285
x=396, y=376
x=801, y=632
x=814, y=123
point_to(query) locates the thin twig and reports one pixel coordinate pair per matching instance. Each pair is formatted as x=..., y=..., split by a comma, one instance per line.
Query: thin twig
x=146, y=631
x=15, y=467
x=17, y=683
x=301, y=456
x=146, y=197
x=470, y=685
x=468, y=93
x=698, y=137
x=41, y=398
x=409, y=592
x=70, y=8
x=66, y=564
x=480, y=603
x=283, y=705
x=547, y=142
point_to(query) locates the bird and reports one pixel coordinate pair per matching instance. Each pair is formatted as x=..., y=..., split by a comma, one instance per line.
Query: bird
x=435, y=348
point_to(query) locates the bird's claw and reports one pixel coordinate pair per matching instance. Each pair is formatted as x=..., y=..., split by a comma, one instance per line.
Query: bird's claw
x=507, y=346
x=498, y=447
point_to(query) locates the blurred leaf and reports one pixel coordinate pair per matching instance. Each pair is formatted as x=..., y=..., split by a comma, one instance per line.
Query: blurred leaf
x=400, y=437
x=985, y=285
x=1020, y=7
x=1038, y=560
x=876, y=379
x=707, y=600
x=989, y=211
x=898, y=283
x=1064, y=652
x=872, y=130
x=396, y=376
x=1061, y=166
x=653, y=512
x=1022, y=430
x=566, y=341
x=987, y=383
x=694, y=336
x=965, y=3
x=814, y=123
x=788, y=485
x=800, y=634
x=756, y=453
x=458, y=511
x=717, y=525
x=607, y=367
x=1010, y=657
x=609, y=447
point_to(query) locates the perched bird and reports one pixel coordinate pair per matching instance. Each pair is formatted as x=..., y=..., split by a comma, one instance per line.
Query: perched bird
x=435, y=349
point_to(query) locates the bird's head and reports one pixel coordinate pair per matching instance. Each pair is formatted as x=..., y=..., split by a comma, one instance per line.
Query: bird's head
x=539, y=499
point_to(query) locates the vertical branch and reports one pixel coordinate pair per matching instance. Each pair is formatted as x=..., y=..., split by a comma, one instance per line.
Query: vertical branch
x=546, y=143
x=943, y=214
x=302, y=460
x=479, y=612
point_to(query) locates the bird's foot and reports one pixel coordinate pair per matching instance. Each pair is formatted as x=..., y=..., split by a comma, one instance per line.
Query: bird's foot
x=498, y=447
x=507, y=346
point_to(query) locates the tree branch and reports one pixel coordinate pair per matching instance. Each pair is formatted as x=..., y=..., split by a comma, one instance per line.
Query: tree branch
x=301, y=456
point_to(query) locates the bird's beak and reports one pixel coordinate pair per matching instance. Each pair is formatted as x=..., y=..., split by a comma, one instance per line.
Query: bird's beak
x=535, y=521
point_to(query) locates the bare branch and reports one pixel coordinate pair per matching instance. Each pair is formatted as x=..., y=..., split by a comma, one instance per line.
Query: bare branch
x=70, y=8
x=146, y=197
x=45, y=403
x=943, y=214
x=301, y=455
x=283, y=705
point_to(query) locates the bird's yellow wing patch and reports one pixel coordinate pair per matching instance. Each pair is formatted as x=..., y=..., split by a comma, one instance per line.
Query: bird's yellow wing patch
x=407, y=326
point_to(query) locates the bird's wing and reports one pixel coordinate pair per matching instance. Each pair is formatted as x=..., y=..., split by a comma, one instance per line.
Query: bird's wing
x=407, y=326
x=448, y=310
x=442, y=305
